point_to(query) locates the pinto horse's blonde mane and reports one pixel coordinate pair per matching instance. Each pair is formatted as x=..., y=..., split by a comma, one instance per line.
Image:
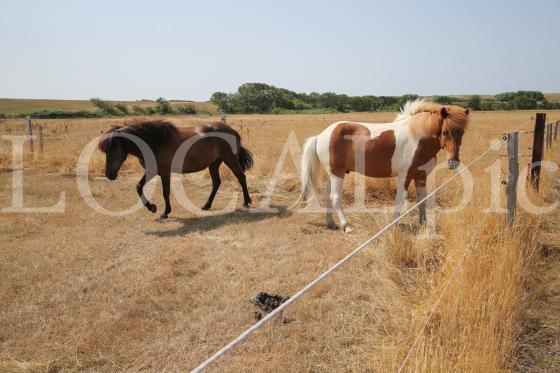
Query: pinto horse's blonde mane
x=425, y=118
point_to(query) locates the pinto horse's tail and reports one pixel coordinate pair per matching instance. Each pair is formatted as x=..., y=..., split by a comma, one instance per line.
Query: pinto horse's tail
x=309, y=170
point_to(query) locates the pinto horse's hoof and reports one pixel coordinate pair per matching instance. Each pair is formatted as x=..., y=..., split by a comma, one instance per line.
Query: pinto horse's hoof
x=347, y=229
x=151, y=208
x=163, y=216
x=206, y=207
x=332, y=226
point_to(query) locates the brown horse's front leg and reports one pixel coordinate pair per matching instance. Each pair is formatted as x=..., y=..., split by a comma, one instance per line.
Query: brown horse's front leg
x=166, y=186
x=140, y=190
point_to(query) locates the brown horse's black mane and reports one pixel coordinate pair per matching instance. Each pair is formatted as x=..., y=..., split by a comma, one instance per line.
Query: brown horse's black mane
x=155, y=132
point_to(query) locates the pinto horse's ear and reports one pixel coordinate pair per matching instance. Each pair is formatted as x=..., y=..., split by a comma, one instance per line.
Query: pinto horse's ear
x=443, y=112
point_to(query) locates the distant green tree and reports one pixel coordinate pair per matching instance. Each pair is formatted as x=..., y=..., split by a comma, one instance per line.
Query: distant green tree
x=223, y=101
x=138, y=110
x=522, y=100
x=443, y=100
x=255, y=98
x=474, y=102
x=487, y=105
x=535, y=95
x=402, y=100
x=389, y=101
x=360, y=103
x=505, y=97
x=329, y=100
x=121, y=106
x=186, y=109
x=163, y=106
x=104, y=106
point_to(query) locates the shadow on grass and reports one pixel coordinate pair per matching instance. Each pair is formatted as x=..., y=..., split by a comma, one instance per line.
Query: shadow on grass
x=208, y=223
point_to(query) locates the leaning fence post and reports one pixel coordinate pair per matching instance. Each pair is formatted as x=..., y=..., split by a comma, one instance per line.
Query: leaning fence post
x=538, y=143
x=30, y=134
x=513, y=175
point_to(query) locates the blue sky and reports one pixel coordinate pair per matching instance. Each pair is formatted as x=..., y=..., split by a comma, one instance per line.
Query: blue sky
x=189, y=49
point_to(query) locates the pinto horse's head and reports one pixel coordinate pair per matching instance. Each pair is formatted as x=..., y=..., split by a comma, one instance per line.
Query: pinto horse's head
x=444, y=124
x=454, y=121
x=115, y=152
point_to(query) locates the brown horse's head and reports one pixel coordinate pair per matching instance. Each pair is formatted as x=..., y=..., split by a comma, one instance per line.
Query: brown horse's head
x=137, y=137
x=454, y=122
x=115, y=152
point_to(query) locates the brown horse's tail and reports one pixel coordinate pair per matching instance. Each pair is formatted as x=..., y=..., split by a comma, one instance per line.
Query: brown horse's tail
x=245, y=156
x=245, y=159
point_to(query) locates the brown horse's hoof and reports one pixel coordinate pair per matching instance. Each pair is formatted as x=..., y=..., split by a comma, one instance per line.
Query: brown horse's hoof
x=206, y=207
x=151, y=208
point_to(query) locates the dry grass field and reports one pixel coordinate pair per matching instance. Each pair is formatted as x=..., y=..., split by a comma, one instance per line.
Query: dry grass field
x=80, y=290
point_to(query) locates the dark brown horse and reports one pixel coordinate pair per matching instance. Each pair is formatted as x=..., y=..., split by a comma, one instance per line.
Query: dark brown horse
x=163, y=148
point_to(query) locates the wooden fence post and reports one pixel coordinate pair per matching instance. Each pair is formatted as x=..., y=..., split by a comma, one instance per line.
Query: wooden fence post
x=556, y=130
x=30, y=134
x=41, y=141
x=549, y=135
x=513, y=175
x=538, y=143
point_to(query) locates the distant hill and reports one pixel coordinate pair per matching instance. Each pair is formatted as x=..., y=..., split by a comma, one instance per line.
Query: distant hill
x=12, y=106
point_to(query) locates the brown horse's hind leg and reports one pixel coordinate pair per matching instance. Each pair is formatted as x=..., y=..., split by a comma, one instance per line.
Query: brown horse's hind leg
x=214, y=169
x=166, y=186
x=140, y=190
x=233, y=164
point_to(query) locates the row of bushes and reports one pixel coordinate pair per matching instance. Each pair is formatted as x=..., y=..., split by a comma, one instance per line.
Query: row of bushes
x=108, y=109
x=162, y=106
x=56, y=114
x=265, y=98
x=520, y=100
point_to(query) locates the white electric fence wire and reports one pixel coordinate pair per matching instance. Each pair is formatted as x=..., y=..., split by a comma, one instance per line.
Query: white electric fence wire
x=309, y=286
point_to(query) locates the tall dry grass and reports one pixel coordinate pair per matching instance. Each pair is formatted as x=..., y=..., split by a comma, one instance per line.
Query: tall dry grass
x=84, y=291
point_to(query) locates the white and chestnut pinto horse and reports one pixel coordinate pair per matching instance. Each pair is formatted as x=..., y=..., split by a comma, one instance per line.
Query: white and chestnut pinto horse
x=405, y=148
